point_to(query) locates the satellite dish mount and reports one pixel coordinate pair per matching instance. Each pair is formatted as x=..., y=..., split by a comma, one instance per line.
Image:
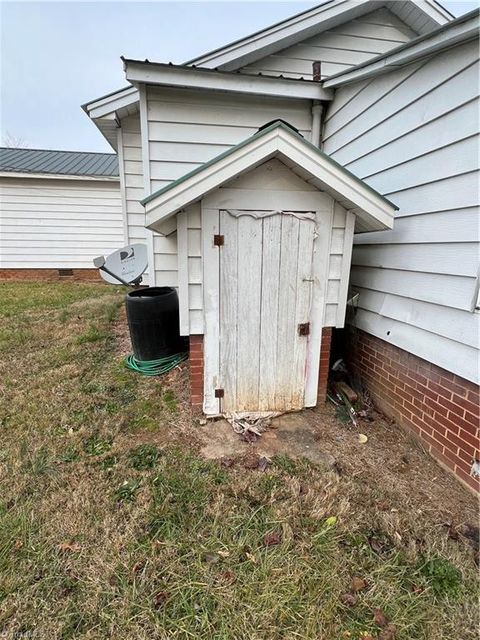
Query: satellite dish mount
x=125, y=266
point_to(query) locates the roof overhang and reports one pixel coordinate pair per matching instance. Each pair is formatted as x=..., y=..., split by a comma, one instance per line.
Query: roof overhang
x=314, y=21
x=373, y=211
x=180, y=76
x=108, y=110
x=463, y=29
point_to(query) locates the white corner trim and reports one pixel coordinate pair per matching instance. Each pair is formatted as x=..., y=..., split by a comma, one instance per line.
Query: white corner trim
x=142, y=94
x=123, y=195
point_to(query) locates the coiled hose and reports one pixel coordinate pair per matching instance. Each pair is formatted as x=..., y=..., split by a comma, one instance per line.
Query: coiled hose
x=154, y=367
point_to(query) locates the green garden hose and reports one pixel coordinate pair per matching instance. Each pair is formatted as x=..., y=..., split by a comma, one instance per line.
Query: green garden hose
x=155, y=367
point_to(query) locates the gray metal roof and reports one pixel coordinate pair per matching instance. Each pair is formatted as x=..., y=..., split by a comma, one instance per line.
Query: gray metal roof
x=71, y=163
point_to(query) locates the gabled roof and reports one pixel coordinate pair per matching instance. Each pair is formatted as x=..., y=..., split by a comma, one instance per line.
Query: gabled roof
x=420, y=15
x=463, y=29
x=373, y=211
x=106, y=110
x=68, y=163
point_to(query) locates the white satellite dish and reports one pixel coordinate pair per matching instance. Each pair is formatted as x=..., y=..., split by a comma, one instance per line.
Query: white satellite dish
x=125, y=265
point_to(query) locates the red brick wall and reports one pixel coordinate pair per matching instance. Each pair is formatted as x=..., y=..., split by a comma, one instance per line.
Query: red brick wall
x=49, y=275
x=196, y=370
x=441, y=408
x=324, y=364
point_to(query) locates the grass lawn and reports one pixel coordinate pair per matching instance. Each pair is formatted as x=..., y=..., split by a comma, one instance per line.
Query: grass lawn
x=112, y=525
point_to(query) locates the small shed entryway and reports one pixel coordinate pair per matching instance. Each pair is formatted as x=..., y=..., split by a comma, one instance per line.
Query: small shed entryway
x=265, y=298
x=265, y=233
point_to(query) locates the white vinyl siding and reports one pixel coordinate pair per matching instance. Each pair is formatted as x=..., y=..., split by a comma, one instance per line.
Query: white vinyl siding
x=187, y=128
x=271, y=175
x=338, y=49
x=413, y=135
x=58, y=223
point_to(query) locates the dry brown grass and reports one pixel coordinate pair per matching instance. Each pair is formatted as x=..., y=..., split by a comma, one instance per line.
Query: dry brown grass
x=112, y=525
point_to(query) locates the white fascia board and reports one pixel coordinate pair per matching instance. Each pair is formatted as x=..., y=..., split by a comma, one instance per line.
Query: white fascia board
x=193, y=78
x=350, y=192
x=367, y=205
x=106, y=107
x=58, y=176
x=282, y=34
x=434, y=10
x=410, y=52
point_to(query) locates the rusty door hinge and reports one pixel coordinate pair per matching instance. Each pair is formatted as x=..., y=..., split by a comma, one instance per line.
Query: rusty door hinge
x=219, y=393
x=304, y=329
x=218, y=240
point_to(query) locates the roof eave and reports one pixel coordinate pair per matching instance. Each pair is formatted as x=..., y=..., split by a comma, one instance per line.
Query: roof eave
x=461, y=30
x=179, y=76
x=275, y=141
x=300, y=26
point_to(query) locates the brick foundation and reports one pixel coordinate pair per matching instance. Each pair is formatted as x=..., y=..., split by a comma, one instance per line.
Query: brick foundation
x=50, y=275
x=441, y=408
x=196, y=370
x=324, y=364
x=196, y=367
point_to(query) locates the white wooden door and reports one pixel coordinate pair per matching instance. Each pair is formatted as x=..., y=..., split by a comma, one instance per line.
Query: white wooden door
x=265, y=294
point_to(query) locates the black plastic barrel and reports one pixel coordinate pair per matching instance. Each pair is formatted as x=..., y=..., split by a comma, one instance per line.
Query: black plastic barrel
x=153, y=321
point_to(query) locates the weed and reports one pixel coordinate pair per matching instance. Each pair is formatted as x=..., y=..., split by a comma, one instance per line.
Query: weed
x=97, y=446
x=170, y=401
x=127, y=491
x=69, y=455
x=93, y=334
x=143, y=457
x=441, y=576
x=108, y=463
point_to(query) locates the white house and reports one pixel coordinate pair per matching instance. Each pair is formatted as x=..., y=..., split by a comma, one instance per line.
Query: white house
x=58, y=210
x=387, y=93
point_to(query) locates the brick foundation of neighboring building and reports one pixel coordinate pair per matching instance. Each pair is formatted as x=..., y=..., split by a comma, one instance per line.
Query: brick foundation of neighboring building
x=196, y=368
x=441, y=408
x=50, y=275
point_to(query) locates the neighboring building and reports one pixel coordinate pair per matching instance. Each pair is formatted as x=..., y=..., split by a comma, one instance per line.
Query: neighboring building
x=390, y=92
x=58, y=211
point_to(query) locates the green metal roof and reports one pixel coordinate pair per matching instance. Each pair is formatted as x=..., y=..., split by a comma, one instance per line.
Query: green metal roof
x=278, y=124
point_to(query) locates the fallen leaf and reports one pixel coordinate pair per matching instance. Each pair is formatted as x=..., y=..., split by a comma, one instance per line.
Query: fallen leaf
x=380, y=618
x=349, y=599
x=388, y=633
x=160, y=599
x=226, y=462
x=228, y=577
x=417, y=589
x=18, y=545
x=137, y=567
x=331, y=521
x=69, y=546
x=358, y=584
x=364, y=635
x=272, y=539
x=224, y=553
x=379, y=545
x=362, y=438
x=263, y=463
x=250, y=557
x=211, y=558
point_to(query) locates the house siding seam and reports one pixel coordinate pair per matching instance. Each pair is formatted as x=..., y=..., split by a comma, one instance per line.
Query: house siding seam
x=439, y=407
